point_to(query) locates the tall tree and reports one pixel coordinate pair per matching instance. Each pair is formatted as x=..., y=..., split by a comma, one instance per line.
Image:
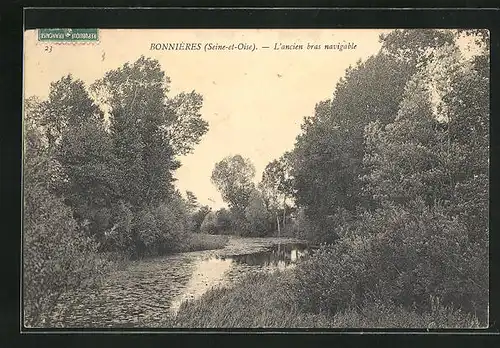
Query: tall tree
x=328, y=154
x=257, y=216
x=276, y=185
x=128, y=152
x=446, y=112
x=136, y=95
x=192, y=201
x=185, y=126
x=68, y=104
x=74, y=134
x=233, y=177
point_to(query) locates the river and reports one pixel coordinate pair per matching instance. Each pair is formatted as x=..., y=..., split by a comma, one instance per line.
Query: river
x=146, y=291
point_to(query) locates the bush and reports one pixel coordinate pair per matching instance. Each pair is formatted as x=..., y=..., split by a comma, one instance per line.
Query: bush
x=151, y=231
x=224, y=221
x=198, y=217
x=148, y=236
x=57, y=256
x=209, y=224
x=400, y=256
x=119, y=238
x=160, y=230
x=173, y=224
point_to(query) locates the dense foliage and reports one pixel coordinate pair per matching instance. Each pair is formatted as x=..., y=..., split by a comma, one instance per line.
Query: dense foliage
x=58, y=255
x=233, y=177
x=98, y=178
x=396, y=176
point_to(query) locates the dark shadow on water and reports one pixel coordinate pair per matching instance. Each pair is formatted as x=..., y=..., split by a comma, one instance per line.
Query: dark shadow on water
x=276, y=255
x=219, y=269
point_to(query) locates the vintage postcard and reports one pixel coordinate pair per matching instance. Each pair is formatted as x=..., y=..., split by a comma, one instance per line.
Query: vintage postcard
x=256, y=178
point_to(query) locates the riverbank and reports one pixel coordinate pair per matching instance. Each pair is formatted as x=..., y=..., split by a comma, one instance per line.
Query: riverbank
x=203, y=241
x=261, y=300
x=273, y=301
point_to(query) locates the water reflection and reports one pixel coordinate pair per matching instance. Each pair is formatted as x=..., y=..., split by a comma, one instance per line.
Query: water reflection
x=208, y=273
x=217, y=270
x=277, y=255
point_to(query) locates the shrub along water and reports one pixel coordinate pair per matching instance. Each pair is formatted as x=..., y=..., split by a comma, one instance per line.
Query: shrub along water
x=276, y=301
x=402, y=257
x=58, y=255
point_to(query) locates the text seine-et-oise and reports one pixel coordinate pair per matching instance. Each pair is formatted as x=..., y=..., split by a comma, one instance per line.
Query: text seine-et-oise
x=198, y=46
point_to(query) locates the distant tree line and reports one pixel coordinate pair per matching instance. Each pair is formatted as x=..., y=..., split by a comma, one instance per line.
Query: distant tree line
x=253, y=210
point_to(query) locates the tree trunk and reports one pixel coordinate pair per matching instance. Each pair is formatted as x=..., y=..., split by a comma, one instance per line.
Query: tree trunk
x=284, y=210
x=278, y=221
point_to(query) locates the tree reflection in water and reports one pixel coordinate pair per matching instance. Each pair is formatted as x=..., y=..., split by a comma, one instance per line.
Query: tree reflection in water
x=277, y=255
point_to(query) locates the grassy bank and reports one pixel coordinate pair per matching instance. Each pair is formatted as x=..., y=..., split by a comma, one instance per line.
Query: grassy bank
x=271, y=300
x=253, y=302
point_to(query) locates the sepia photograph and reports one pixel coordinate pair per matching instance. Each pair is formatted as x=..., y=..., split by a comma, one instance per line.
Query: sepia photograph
x=255, y=178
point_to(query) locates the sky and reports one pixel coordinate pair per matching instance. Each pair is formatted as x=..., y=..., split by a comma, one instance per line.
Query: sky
x=254, y=101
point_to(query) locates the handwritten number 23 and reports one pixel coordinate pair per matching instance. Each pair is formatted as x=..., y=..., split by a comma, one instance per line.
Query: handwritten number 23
x=48, y=49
